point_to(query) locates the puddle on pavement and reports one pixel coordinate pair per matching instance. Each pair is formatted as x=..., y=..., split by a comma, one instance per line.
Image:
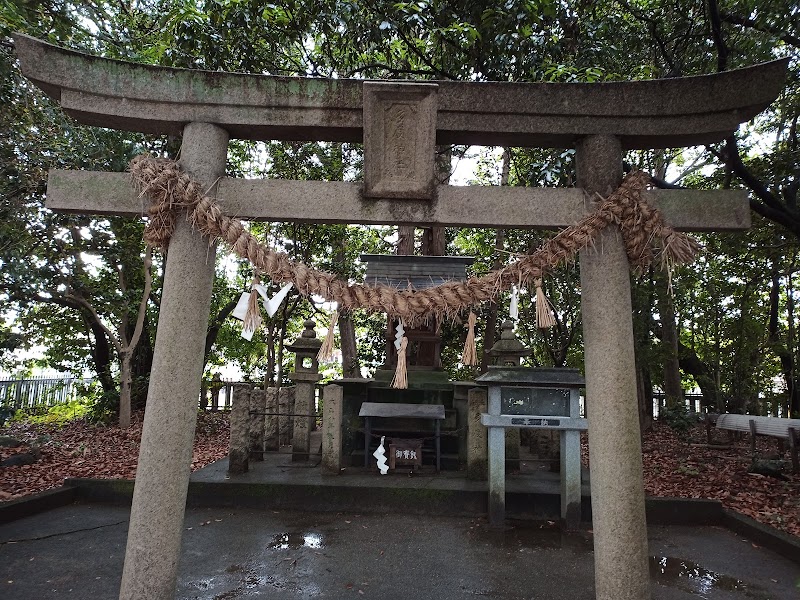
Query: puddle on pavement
x=286, y=541
x=668, y=570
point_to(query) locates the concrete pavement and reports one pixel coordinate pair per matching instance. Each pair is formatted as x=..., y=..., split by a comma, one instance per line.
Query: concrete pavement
x=77, y=551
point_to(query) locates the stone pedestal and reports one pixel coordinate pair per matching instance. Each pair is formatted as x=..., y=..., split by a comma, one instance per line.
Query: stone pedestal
x=477, y=454
x=239, y=446
x=165, y=456
x=615, y=454
x=332, y=404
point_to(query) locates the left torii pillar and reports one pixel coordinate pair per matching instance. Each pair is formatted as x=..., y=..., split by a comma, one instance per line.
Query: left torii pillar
x=165, y=457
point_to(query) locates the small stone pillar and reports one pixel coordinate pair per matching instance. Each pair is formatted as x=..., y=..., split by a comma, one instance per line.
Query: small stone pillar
x=305, y=375
x=332, y=404
x=256, y=446
x=271, y=441
x=477, y=459
x=239, y=447
x=285, y=408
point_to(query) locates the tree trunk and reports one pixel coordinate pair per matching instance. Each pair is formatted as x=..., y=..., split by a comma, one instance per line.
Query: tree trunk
x=433, y=242
x=642, y=293
x=669, y=339
x=644, y=392
x=270, y=339
x=281, y=342
x=794, y=395
x=101, y=354
x=125, y=381
x=405, y=240
x=141, y=365
x=703, y=375
x=347, y=333
x=216, y=325
x=783, y=351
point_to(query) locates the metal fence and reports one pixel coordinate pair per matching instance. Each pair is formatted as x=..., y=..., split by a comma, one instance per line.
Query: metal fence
x=31, y=393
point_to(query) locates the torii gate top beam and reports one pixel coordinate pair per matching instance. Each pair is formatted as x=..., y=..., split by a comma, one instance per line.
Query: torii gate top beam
x=643, y=114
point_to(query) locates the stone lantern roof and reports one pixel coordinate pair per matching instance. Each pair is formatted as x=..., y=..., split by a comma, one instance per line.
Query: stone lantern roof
x=508, y=348
x=308, y=341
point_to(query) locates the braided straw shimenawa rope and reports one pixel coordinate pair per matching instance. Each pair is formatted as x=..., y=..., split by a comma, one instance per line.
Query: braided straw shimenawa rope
x=645, y=234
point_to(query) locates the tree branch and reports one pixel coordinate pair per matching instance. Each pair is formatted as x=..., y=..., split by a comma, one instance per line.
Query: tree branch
x=787, y=38
x=148, y=283
x=716, y=34
x=730, y=156
x=86, y=305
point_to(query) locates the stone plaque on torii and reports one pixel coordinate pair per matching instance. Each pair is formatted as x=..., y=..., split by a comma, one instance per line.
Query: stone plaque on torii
x=399, y=123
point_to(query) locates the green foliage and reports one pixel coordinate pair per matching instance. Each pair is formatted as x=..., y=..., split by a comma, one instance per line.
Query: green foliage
x=678, y=418
x=734, y=308
x=102, y=405
x=58, y=415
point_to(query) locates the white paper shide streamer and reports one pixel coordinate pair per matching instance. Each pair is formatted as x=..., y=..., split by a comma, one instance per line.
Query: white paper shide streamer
x=270, y=305
x=400, y=381
x=380, y=456
x=513, y=309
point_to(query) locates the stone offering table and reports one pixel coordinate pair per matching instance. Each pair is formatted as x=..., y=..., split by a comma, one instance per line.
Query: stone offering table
x=397, y=410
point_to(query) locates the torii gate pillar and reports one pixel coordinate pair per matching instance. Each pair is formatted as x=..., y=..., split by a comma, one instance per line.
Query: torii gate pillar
x=162, y=475
x=615, y=461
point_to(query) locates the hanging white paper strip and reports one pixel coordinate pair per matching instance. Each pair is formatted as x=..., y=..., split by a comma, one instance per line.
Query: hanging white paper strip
x=513, y=309
x=271, y=306
x=398, y=336
x=261, y=289
x=241, y=307
x=380, y=455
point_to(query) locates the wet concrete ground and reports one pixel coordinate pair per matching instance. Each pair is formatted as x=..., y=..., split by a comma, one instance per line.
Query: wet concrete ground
x=78, y=551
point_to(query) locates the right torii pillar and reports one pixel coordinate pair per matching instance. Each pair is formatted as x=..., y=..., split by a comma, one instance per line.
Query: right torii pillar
x=615, y=449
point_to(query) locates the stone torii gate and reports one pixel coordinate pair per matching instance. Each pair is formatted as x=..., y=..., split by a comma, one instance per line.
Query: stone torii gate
x=399, y=123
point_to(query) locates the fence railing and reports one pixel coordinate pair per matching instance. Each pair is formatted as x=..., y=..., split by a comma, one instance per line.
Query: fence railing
x=39, y=392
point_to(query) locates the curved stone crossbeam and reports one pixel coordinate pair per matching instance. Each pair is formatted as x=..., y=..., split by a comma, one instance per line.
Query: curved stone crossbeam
x=643, y=114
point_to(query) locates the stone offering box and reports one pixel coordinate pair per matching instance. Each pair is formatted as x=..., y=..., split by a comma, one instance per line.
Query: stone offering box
x=405, y=453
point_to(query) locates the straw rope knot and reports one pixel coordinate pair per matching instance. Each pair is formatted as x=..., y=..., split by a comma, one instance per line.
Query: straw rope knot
x=645, y=234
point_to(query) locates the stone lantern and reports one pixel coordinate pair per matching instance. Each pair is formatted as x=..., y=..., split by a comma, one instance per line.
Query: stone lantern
x=306, y=347
x=508, y=351
x=305, y=375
